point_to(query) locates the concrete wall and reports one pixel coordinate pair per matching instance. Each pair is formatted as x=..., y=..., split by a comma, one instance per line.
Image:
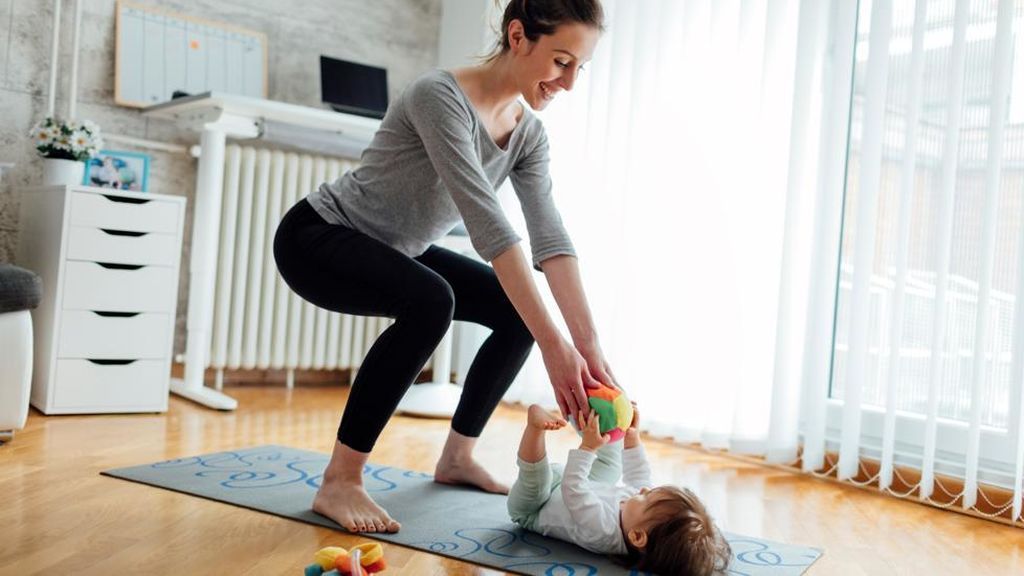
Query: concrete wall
x=466, y=32
x=400, y=35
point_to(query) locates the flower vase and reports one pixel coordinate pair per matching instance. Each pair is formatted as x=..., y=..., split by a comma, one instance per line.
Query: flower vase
x=58, y=171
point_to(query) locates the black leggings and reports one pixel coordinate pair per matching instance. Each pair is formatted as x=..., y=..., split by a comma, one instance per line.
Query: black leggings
x=340, y=269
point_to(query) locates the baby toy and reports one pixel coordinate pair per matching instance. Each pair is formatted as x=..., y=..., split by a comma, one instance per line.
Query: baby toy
x=362, y=560
x=613, y=408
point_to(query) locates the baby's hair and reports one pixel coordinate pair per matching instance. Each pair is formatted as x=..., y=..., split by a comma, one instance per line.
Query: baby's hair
x=542, y=17
x=681, y=537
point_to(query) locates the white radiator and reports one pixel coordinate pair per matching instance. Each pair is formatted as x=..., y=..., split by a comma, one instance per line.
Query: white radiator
x=259, y=323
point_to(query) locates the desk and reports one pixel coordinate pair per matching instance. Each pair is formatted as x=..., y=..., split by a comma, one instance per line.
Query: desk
x=217, y=117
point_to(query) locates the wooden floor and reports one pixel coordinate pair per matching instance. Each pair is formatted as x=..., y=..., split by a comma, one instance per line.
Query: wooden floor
x=59, y=516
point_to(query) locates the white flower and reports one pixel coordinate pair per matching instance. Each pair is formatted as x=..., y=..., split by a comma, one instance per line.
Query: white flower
x=80, y=140
x=53, y=135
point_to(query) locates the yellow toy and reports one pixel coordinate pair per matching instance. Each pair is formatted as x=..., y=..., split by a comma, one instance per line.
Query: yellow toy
x=362, y=560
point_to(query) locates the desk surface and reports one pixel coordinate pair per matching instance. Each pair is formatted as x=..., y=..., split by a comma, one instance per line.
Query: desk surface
x=259, y=109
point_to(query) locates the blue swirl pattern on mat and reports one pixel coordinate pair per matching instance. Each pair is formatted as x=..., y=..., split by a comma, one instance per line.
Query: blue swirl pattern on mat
x=513, y=549
x=748, y=553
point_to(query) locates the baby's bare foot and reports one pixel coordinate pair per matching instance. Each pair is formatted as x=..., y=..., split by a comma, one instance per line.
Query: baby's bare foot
x=349, y=505
x=541, y=419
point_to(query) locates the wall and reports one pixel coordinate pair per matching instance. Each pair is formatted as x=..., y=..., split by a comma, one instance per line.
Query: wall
x=400, y=35
x=466, y=32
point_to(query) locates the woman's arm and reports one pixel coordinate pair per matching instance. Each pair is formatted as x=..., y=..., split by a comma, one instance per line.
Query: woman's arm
x=563, y=274
x=566, y=367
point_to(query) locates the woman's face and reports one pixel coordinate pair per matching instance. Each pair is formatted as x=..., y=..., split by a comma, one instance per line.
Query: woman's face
x=552, y=63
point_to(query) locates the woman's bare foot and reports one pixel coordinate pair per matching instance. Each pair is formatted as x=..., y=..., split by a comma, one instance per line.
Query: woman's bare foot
x=541, y=419
x=457, y=466
x=343, y=499
x=349, y=505
x=468, y=472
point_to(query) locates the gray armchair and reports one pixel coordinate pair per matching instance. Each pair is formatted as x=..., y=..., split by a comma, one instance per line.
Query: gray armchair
x=20, y=292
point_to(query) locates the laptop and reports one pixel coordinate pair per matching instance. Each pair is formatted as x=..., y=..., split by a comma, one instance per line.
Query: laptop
x=354, y=88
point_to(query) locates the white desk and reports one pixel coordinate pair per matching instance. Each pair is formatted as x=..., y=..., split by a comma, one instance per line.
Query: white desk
x=217, y=117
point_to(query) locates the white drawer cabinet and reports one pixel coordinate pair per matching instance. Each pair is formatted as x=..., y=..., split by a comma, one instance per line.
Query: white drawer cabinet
x=91, y=244
x=109, y=261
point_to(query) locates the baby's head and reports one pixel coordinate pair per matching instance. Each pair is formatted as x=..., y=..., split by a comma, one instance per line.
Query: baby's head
x=668, y=531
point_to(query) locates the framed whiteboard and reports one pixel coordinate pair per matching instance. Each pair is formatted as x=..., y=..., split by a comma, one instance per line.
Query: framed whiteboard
x=158, y=52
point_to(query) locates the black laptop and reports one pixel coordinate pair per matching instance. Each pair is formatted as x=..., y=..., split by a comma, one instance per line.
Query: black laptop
x=354, y=88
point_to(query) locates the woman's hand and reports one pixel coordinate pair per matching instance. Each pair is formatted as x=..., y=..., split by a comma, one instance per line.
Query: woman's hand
x=591, y=427
x=597, y=365
x=569, y=374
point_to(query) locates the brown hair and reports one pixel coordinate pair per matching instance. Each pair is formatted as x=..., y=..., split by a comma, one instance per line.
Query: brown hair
x=681, y=538
x=542, y=17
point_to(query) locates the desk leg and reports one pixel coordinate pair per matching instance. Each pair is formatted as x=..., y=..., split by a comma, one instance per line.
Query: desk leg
x=205, y=240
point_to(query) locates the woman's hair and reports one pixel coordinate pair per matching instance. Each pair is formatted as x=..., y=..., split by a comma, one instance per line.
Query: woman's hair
x=681, y=537
x=542, y=17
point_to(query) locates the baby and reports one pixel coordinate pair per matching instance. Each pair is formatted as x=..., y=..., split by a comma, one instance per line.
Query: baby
x=664, y=530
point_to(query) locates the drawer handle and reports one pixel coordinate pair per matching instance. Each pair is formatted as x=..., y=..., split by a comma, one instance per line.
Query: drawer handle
x=111, y=362
x=124, y=200
x=123, y=233
x=112, y=266
x=116, y=314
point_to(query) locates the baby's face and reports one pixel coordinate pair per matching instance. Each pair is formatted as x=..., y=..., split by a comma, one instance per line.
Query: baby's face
x=634, y=509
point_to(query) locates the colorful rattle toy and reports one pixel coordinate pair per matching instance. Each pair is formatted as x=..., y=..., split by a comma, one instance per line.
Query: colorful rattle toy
x=362, y=560
x=613, y=408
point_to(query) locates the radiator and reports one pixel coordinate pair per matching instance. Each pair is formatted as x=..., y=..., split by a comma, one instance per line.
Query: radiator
x=259, y=323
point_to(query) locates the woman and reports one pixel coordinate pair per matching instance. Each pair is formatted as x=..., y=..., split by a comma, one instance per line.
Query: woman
x=362, y=245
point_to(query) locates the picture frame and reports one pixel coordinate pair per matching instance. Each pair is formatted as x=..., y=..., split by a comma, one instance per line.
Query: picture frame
x=118, y=169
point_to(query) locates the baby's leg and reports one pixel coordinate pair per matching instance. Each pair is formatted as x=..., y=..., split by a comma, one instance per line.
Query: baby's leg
x=532, y=488
x=538, y=422
x=607, y=469
x=530, y=492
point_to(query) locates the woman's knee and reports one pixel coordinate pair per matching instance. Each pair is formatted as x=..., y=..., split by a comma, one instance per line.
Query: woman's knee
x=432, y=302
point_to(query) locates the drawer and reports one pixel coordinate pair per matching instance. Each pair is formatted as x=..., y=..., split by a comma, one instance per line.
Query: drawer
x=121, y=213
x=92, y=286
x=121, y=246
x=106, y=335
x=84, y=385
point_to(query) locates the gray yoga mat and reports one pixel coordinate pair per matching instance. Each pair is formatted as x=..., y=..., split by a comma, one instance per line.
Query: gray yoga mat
x=447, y=520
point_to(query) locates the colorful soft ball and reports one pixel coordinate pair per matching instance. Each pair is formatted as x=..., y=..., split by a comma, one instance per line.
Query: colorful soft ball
x=613, y=408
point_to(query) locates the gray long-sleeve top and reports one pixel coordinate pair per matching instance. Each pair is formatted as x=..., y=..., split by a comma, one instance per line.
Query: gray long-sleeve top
x=432, y=164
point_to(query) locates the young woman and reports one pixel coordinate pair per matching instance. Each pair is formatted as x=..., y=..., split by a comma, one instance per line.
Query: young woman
x=362, y=245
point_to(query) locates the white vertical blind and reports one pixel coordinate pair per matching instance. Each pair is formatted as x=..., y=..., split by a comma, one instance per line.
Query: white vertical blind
x=993, y=177
x=928, y=347
x=906, y=191
x=789, y=329
x=837, y=87
x=942, y=241
x=864, y=252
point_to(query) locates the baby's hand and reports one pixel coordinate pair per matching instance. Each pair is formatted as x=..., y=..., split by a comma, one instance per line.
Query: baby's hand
x=633, y=432
x=592, y=437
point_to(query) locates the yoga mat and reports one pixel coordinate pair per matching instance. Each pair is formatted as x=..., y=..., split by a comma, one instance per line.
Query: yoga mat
x=448, y=520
